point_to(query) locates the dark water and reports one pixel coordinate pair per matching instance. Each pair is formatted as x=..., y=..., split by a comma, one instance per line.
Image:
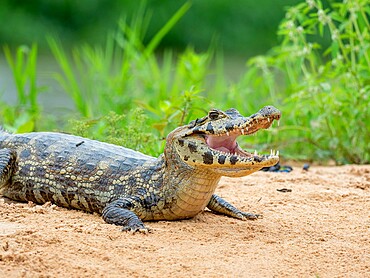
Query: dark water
x=55, y=101
x=52, y=98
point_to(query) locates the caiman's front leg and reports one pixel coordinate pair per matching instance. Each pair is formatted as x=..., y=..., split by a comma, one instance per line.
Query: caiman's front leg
x=219, y=205
x=8, y=159
x=120, y=213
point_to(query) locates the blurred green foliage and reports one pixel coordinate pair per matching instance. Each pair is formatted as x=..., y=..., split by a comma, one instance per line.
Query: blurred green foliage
x=318, y=75
x=242, y=26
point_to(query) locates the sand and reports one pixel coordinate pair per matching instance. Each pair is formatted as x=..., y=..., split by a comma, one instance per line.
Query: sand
x=319, y=229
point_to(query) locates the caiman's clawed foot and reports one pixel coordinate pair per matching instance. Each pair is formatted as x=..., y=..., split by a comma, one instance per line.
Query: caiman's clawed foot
x=249, y=216
x=118, y=213
x=219, y=205
x=137, y=229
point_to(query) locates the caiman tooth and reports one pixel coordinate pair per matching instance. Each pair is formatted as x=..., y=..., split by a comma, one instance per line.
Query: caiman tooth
x=227, y=133
x=242, y=131
x=277, y=153
x=255, y=152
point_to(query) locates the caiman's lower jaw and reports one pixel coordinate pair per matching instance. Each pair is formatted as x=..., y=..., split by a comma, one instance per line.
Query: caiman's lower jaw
x=230, y=160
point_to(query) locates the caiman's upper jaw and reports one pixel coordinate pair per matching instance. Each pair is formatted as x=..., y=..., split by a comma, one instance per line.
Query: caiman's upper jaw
x=232, y=122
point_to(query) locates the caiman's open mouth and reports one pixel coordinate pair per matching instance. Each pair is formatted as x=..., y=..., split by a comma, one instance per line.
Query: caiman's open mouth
x=228, y=145
x=226, y=142
x=211, y=141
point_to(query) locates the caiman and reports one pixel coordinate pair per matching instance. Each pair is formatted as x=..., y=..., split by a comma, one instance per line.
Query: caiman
x=127, y=187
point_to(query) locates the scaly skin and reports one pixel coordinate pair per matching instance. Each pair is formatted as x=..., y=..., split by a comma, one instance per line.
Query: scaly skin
x=128, y=187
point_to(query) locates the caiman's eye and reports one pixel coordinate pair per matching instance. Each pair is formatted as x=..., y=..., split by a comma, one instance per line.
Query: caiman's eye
x=214, y=114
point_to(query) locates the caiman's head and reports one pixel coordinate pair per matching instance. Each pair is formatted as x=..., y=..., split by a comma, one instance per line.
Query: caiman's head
x=210, y=142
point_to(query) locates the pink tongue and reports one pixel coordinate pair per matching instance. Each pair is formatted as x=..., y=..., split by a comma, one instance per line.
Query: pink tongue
x=222, y=143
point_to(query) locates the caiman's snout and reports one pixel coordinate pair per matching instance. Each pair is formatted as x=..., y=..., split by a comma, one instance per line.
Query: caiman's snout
x=270, y=111
x=263, y=118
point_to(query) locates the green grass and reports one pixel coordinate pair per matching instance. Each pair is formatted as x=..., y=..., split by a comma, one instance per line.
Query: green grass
x=22, y=117
x=127, y=94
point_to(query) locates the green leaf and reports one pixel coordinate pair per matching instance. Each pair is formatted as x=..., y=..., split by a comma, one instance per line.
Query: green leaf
x=166, y=28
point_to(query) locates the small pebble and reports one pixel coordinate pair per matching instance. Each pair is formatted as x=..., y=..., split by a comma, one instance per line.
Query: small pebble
x=285, y=190
x=278, y=168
